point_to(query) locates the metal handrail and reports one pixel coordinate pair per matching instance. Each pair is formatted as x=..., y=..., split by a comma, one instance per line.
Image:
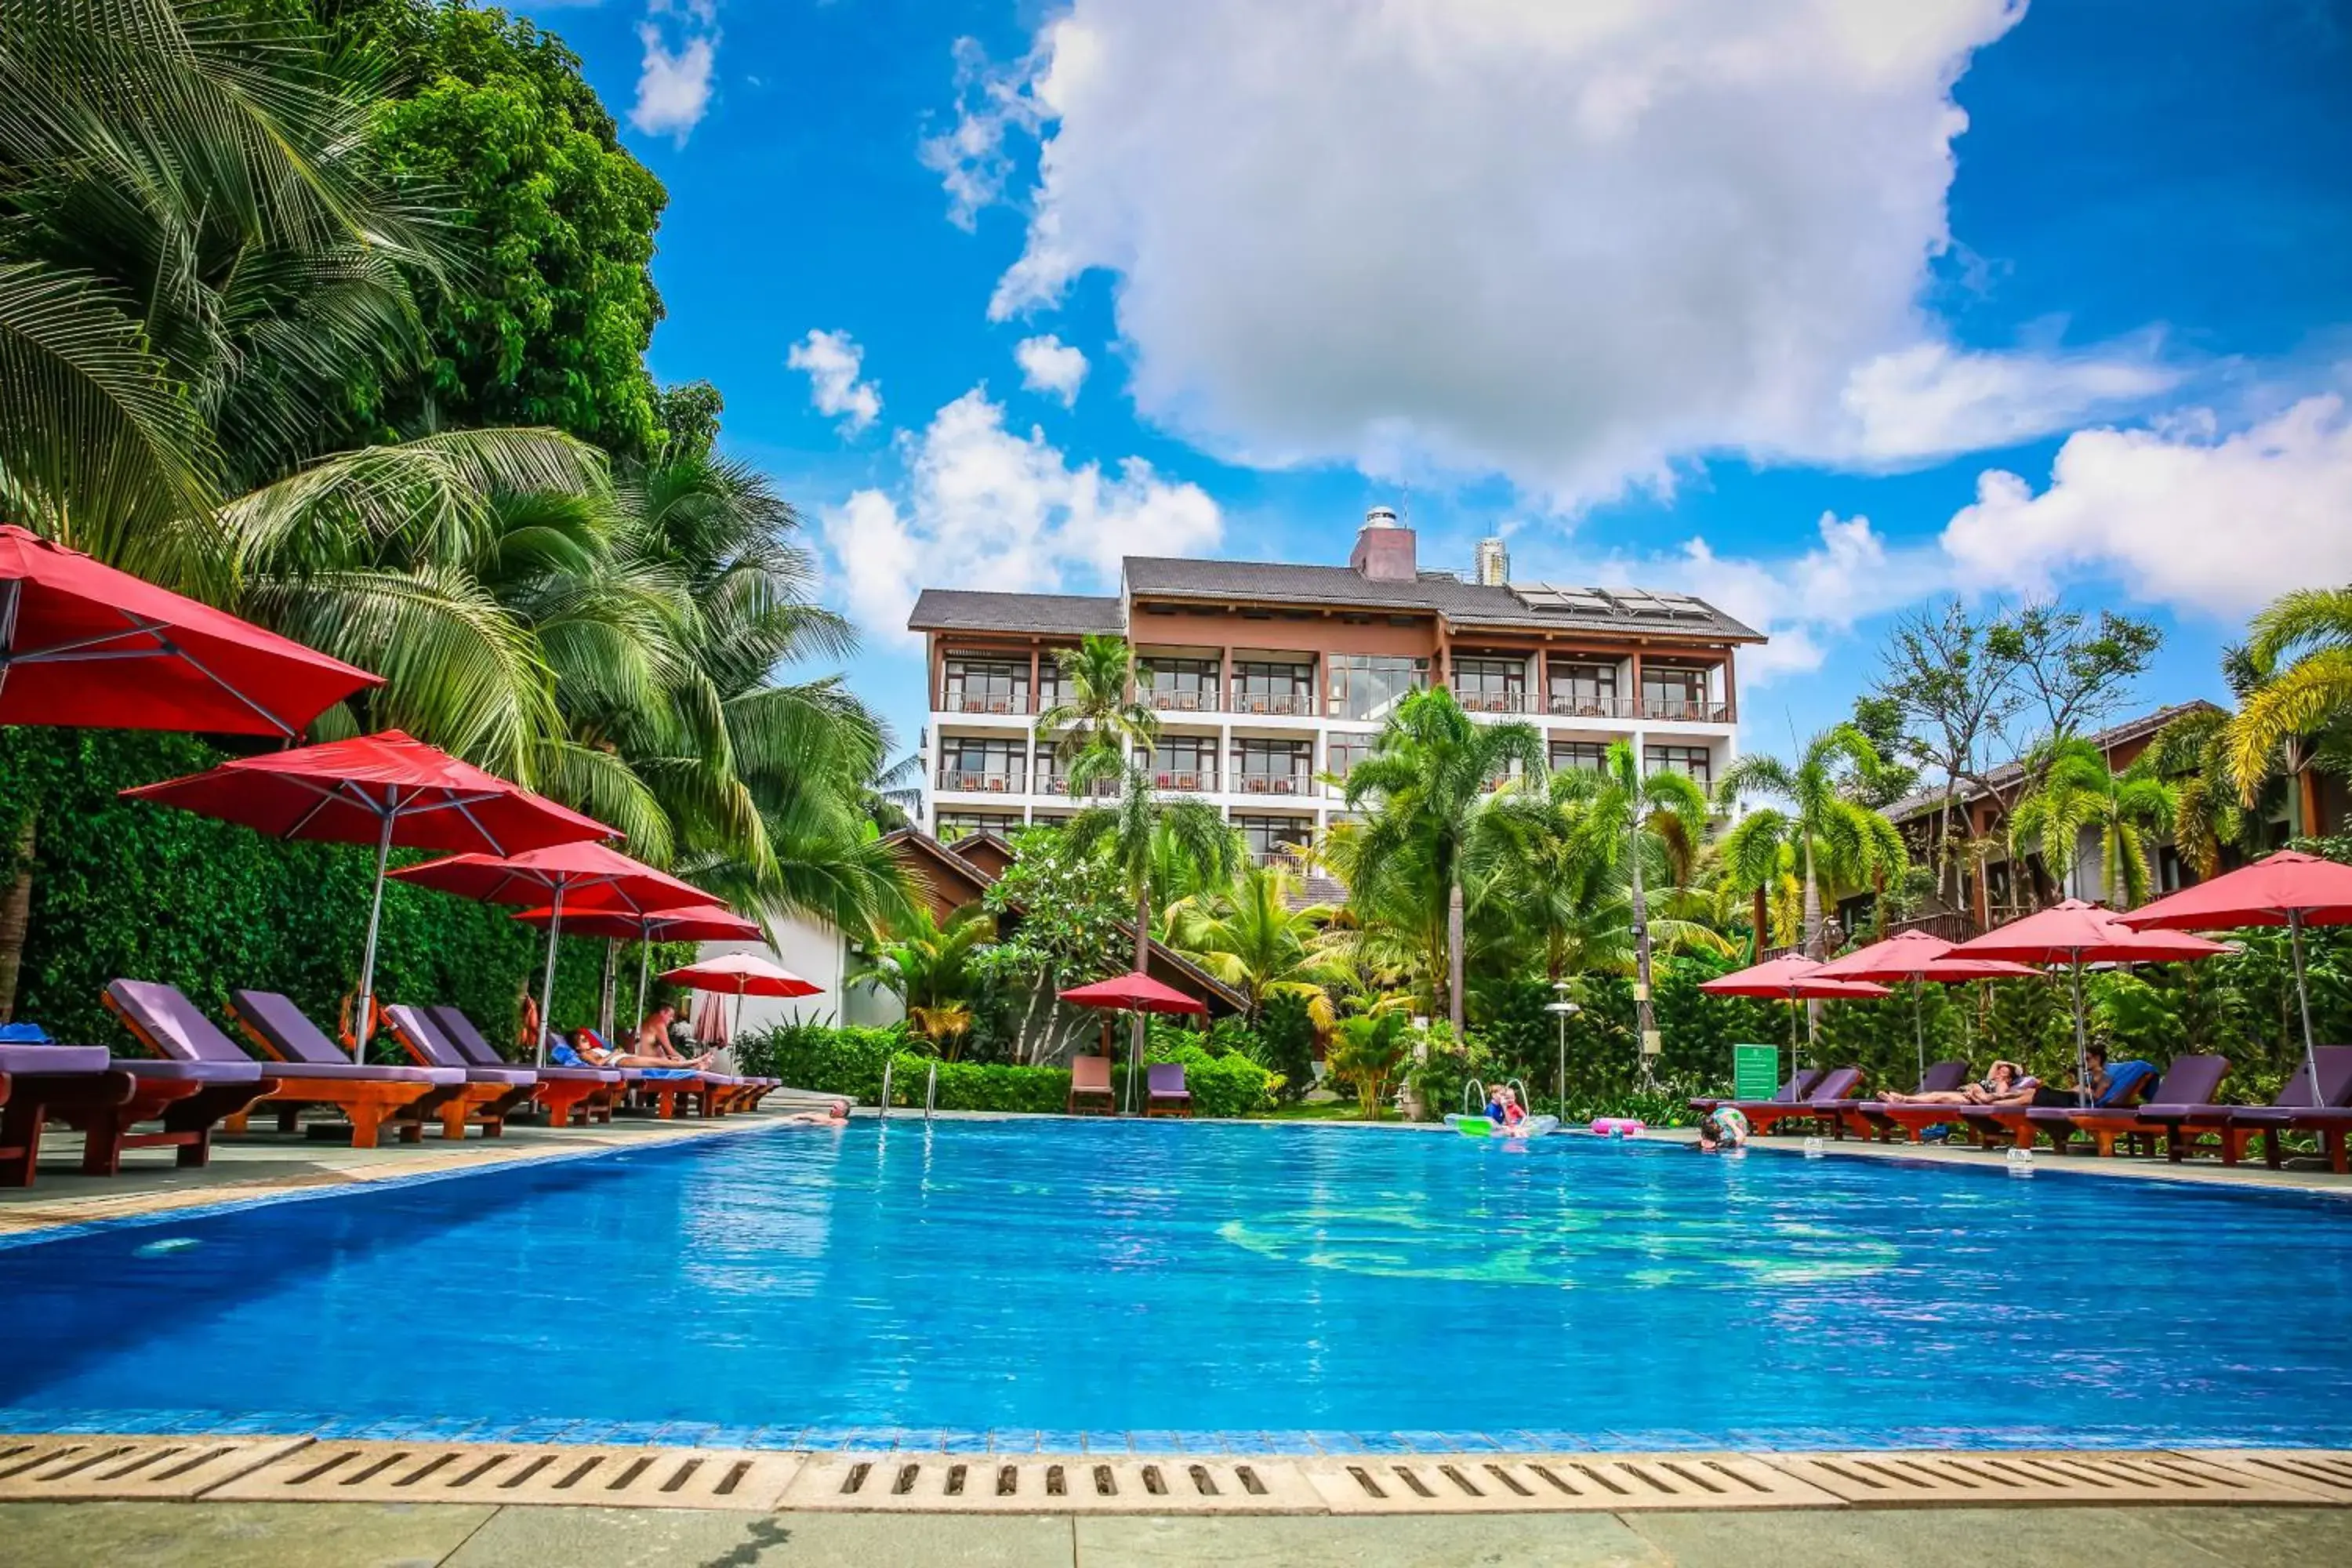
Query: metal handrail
x=884, y=1114
x=930, y=1091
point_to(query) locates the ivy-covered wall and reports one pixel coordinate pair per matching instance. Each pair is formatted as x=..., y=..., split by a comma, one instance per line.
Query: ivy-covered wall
x=123, y=888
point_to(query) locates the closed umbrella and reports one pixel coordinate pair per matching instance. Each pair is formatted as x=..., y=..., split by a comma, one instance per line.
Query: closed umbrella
x=1133, y=991
x=691, y=922
x=1793, y=978
x=2073, y=933
x=1924, y=960
x=591, y=876
x=82, y=644
x=2289, y=889
x=388, y=790
x=741, y=974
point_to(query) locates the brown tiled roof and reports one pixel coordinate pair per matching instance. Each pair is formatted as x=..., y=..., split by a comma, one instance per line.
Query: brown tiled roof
x=1921, y=802
x=970, y=610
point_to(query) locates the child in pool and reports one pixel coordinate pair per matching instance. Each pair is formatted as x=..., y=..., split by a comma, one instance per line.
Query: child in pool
x=1725, y=1127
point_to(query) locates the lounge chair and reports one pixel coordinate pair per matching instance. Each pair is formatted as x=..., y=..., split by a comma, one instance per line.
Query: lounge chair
x=491, y=1093
x=1868, y=1118
x=72, y=1084
x=2295, y=1110
x=561, y=1090
x=663, y=1091
x=1090, y=1082
x=1164, y=1091
x=2189, y=1084
x=1833, y=1093
x=311, y=1070
x=1801, y=1087
x=201, y=1078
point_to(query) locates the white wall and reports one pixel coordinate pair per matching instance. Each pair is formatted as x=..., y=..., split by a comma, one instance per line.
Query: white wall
x=816, y=953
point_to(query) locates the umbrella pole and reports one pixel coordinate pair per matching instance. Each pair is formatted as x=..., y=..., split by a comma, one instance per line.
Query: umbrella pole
x=2082, y=1047
x=2302, y=1000
x=604, y=991
x=1918, y=1024
x=1794, y=1068
x=547, y=980
x=645, y=957
x=367, y=959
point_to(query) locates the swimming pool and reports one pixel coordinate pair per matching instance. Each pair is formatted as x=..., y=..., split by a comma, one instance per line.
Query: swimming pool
x=1043, y=1284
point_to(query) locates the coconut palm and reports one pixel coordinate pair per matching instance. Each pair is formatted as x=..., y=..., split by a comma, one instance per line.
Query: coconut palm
x=933, y=968
x=1097, y=712
x=1250, y=938
x=2209, y=811
x=1427, y=789
x=1833, y=841
x=2128, y=811
x=2300, y=652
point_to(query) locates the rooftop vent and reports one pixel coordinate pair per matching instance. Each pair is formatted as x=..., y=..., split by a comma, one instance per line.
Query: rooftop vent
x=1493, y=568
x=1385, y=548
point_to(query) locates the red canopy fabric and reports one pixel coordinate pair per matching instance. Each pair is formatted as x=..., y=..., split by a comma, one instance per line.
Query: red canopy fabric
x=741, y=974
x=693, y=922
x=1918, y=955
x=344, y=791
x=586, y=877
x=2074, y=932
x=1789, y=977
x=2317, y=891
x=1135, y=991
x=83, y=644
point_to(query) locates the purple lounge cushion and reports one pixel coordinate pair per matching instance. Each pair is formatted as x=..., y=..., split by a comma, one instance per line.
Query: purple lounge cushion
x=516, y=1078
x=247, y=1071
x=422, y=1036
x=1835, y=1085
x=1167, y=1080
x=356, y=1072
x=459, y=1031
x=287, y=1028
x=30, y=1059
x=170, y=1023
x=576, y=1075
x=2190, y=1081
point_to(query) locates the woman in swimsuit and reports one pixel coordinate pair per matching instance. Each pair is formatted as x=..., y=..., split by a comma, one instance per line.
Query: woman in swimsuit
x=2005, y=1083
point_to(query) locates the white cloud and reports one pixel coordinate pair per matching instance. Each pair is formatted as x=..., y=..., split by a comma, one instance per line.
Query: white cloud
x=674, y=84
x=1052, y=366
x=2178, y=515
x=832, y=361
x=1573, y=244
x=982, y=506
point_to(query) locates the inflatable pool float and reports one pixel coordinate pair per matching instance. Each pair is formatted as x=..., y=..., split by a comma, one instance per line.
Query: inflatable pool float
x=1486, y=1127
x=1472, y=1126
x=1616, y=1126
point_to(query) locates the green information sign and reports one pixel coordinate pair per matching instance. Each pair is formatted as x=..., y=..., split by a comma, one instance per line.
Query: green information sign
x=1755, y=1071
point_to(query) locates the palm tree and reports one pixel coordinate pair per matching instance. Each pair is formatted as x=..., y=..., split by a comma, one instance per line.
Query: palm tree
x=932, y=968
x=2078, y=793
x=2299, y=653
x=2209, y=813
x=1096, y=712
x=1832, y=838
x=1128, y=834
x=1250, y=938
x=1427, y=787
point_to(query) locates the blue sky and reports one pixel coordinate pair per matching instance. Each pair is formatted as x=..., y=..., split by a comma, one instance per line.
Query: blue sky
x=1817, y=308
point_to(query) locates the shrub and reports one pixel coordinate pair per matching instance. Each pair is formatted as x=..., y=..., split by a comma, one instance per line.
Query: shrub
x=1367, y=1055
x=825, y=1059
x=979, y=1085
x=1284, y=1043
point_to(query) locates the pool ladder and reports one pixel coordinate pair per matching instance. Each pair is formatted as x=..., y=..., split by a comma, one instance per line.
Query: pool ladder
x=930, y=1091
x=1474, y=1096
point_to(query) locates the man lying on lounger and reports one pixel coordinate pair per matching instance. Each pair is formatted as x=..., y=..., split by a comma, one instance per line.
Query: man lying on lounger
x=596, y=1053
x=2005, y=1083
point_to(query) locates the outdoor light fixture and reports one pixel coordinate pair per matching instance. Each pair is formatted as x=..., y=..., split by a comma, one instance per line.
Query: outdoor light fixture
x=1562, y=1009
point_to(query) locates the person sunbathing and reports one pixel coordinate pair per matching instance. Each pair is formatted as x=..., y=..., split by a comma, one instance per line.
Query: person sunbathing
x=2005, y=1083
x=653, y=1039
x=597, y=1054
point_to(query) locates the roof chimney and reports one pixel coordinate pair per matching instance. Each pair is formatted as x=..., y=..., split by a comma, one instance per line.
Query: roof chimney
x=1493, y=563
x=1385, y=548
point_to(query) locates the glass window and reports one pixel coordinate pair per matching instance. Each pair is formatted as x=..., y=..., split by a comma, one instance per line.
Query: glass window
x=1267, y=687
x=1342, y=753
x=1184, y=761
x=1491, y=685
x=1587, y=754
x=1272, y=767
x=954, y=825
x=1267, y=838
x=975, y=763
x=985, y=686
x=1369, y=686
x=1674, y=692
x=1690, y=761
x=1180, y=684
x=1584, y=690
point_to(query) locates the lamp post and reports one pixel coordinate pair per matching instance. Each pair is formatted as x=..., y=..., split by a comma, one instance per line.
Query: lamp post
x=1562, y=1009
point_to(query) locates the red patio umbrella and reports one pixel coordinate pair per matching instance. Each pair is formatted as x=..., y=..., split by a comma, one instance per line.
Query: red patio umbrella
x=2289, y=889
x=1134, y=992
x=600, y=878
x=387, y=790
x=692, y=923
x=83, y=644
x=1791, y=977
x=1922, y=959
x=741, y=974
x=2072, y=933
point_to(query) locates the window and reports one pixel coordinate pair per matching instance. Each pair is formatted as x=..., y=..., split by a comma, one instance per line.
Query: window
x=985, y=686
x=1263, y=687
x=1491, y=685
x=1369, y=686
x=954, y=824
x=1272, y=767
x=1052, y=774
x=1691, y=761
x=1269, y=837
x=972, y=763
x=1587, y=754
x=1342, y=753
x=1180, y=684
x=1584, y=690
x=1184, y=761
x=1675, y=692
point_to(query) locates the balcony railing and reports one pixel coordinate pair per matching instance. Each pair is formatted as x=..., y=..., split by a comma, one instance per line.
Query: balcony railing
x=1051, y=784
x=1684, y=711
x=1494, y=702
x=952, y=700
x=982, y=781
x=1190, y=782
x=1175, y=701
x=1564, y=705
x=1273, y=784
x=1664, y=709
x=1289, y=704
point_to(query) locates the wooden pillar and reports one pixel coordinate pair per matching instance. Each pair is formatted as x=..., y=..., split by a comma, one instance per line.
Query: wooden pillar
x=1635, y=697
x=1730, y=696
x=1034, y=657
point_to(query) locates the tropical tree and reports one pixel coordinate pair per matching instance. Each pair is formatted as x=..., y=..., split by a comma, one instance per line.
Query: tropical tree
x=1250, y=938
x=2128, y=811
x=2299, y=654
x=2208, y=811
x=936, y=971
x=1428, y=789
x=1097, y=712
x=1367, y=1055
x=1835, y=841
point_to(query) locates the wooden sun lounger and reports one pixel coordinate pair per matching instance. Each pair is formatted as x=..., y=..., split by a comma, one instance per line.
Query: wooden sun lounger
x=491, y=1094
x=1868, y=1118
x=1090, y=1082
x=315, y=1072
x=1164, y=1093
x=1801, y=1087
x=2295, y=1109
x=69, y=1084
x=196, y=1084
x=559, y=1089
x=1834, y=1092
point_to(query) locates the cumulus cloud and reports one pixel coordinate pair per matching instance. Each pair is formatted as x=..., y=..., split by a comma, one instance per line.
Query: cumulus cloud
x=984, y=506
x=1571, y=244
x=674, y=83
x=2177, y=514
x=1050, y=366
x=834, y=361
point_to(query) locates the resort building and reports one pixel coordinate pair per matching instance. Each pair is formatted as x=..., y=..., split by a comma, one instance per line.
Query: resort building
x=1270, y=679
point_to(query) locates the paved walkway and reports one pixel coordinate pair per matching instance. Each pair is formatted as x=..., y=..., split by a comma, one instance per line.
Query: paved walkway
x=355, y=1535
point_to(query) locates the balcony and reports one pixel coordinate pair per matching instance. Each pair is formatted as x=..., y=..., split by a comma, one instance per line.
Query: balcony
x=1662, y=709
x=1494, y=702
x=1287, y=704
x=955, y=701
x=1187, y=783
x=1055, y=784
x=967, y=780
x=1173, y=699
x=1274, y=783
x=1686, y=710
x=1570, y=705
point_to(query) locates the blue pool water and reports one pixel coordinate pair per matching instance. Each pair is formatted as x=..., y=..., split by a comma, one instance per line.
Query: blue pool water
x=1254, y=1288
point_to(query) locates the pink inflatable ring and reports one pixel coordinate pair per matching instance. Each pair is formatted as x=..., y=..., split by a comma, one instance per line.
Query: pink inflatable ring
x=1616, y=1126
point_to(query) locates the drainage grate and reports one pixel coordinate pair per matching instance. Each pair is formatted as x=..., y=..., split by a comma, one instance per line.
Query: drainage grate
x=997, y=1483
x=522, y=1473
x=67, y=1469
x=2320, y=1472
x=1556, y=1483
x=2009, y=1480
